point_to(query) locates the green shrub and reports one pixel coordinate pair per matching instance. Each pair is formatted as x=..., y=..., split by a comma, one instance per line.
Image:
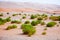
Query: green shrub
x=51, y=24
x=24, y=25
x=14, y=14
x=33, y=16
x=39, y=18
x=28, y=29
x=38, y=21
x=8, y=19
x=43, y=33
x=42, y=23
x=16, y=21
x=2, y=21
x=24, y=17
x=11, y=27
x=34, y=23
x=27, y=22
x=1, y=14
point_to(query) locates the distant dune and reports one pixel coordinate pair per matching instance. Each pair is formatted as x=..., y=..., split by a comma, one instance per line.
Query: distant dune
x=30, y=7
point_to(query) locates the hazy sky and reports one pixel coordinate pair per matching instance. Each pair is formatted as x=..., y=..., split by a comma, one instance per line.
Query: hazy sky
x=37, y=1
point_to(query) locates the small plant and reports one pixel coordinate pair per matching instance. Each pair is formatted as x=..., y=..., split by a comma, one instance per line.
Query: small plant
x=14, y=14
x=19, y=13
x=38, y=21
x=11, y=27
x=7, y=12
x=33, y=16
x=43, y=33
x=24, y=17
x=1, y=14
x=2, y=21
x=39, y=18
x=51, y=24
x=45, y=28
x=28, y=29
x=16, y=21
x=42, y=23
x=27, y=22
x=8, y=19
x=34, y=23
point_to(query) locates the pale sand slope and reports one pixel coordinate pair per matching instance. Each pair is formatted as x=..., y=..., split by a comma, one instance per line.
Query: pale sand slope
x=16, y=34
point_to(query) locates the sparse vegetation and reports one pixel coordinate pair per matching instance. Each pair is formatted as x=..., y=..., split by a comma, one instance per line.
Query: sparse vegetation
x=11, y=27
x=45, y=28
x=51, y=24
x=3, y=21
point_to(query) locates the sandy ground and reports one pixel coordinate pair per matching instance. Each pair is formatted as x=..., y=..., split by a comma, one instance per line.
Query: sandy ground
x=16, y=34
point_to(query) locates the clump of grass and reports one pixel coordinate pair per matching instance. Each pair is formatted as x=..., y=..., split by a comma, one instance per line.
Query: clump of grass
x=28, y=29
x=43, y=33
x=39, y=18
x=27, y=22
x=45, y=28
x=2, y=21
x=38, y=21
x=1, y=14
x=33, y=16
x=24, y=17
x=11, y=27
x=34, y=23
x=42, y=23
x=8, y=19
x=51, y=24
x=16, y=21
x=14, y=14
